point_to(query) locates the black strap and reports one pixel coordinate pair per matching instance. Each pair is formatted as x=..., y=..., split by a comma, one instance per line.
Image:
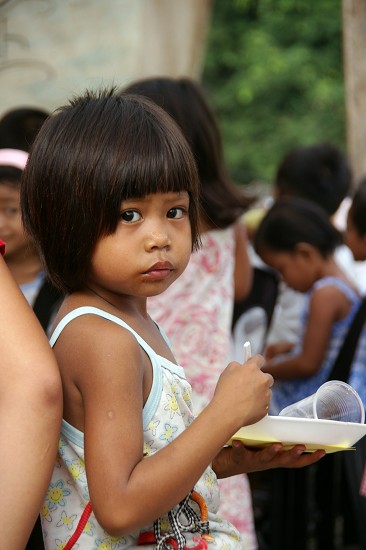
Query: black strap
x=342, y=365
x=45, y=303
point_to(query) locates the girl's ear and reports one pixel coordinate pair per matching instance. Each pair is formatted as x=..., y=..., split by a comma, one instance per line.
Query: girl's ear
x=305, y=250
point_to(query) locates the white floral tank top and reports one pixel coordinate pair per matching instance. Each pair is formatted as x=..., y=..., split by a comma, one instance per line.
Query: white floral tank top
x=167, y=412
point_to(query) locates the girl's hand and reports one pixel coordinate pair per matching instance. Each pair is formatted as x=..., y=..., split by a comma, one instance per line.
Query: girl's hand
x=273, y=350
x=239, y=459
x=243, y=393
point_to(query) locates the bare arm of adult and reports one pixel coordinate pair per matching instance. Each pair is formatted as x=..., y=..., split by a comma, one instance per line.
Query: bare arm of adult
x=328, y=305
x=30, y=414
x=243, y=272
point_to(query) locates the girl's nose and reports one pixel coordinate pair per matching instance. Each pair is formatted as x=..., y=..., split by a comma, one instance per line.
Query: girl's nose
x=157, y=239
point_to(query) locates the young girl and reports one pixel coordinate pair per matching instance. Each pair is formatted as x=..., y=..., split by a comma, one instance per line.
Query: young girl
x=22, y=257
x=297, y=239
x=110, y=193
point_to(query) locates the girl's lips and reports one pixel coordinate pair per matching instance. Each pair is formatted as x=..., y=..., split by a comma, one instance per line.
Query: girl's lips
x=160, y=270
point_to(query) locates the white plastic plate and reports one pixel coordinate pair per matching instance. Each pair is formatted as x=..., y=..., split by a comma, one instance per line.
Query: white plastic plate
x=329, y=435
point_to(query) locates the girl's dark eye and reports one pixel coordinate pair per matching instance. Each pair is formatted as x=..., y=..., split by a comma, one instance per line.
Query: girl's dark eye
x=130, y=216
x=176, y=213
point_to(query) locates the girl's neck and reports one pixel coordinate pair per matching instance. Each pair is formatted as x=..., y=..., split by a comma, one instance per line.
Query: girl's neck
x=126, y=305
x=331, y=268
x=102, y=298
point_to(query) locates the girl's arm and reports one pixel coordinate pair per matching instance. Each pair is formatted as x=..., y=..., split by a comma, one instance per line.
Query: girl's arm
x=279, y=348
x=30, y=414
x=128, y=491
x=243, y=272
x=327, y=306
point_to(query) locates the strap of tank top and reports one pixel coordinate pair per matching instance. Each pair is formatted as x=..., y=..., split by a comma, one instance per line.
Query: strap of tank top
x=89, y=310
x=348, y=290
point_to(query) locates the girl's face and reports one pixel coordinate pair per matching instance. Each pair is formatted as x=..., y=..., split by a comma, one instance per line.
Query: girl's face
x=11, y=229
x=149, y=249
x=356, y=241
x=296, y=268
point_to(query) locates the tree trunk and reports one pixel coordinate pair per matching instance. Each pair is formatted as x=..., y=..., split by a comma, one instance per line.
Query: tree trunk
x=354, y=50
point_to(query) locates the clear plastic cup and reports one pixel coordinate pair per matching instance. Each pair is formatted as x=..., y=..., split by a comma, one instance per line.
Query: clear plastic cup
x=334, y=400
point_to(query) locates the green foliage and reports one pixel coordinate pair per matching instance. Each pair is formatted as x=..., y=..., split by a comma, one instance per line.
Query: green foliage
x=273, y=72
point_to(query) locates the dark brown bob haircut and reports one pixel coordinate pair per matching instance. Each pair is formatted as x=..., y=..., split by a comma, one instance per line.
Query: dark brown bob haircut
x=88, y=157
x=223, y=202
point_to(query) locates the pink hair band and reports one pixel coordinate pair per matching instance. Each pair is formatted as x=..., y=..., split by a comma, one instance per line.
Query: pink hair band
x=13, y=157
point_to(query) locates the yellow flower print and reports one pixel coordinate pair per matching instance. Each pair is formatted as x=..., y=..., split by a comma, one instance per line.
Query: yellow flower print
x=117, y=539
x=148, y=448
x=169, y=432
x=76, y=469
x=165, y=524
x=61, y=445
x=66, y=520
x=209, y=480
x=88, y=529
x=174, y=389
x=172, y=406
x=152, y=426
x=45, y=512
x=56, y=494
x=105, y=544
x=60, y=545
x=187, y=397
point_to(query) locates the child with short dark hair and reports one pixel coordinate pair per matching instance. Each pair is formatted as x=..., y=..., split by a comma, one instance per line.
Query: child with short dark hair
x=22, y=257
x=297, y=239
x=319, y=172
x=19, y=127
x=111, y=195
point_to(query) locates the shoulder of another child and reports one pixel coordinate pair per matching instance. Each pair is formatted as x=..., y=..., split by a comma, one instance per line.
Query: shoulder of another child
x=330, y=295
x=328, y=286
